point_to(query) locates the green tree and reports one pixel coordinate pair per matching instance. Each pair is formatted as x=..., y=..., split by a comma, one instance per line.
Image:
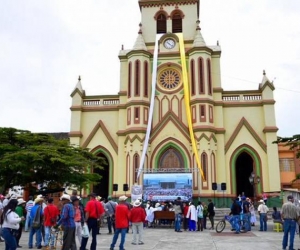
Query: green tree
x=27, y=158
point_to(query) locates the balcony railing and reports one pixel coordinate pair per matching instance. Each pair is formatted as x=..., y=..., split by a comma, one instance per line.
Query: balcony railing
x=241, y=98
x=101, y=102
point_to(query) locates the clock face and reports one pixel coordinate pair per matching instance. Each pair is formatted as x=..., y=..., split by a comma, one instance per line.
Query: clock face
x=169, y=43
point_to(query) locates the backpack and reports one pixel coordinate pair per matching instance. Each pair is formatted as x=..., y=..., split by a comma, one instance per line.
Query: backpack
x=36, y=222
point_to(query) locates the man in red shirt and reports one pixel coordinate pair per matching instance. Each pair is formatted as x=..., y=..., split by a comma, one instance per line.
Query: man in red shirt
x=122, y=222
x=51, y=213
x=137, y=217
x=93, y=212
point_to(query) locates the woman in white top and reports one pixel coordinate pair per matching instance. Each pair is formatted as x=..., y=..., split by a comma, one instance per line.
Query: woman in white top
x=10, y=223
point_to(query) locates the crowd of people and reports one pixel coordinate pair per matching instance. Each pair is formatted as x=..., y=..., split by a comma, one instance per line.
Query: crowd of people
x=41, y=217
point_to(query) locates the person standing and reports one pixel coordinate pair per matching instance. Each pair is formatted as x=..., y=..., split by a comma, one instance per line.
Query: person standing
x=10, y=223
x=67, y=222
x=262, y=211
x=51, y=214
x=137, y=217
x=20, y=211
x=122, y=222
x=289, y=214
x=38, y=231
x=110, y=209
x=185, y=218
x=211, y=213
x=235, y=211
x=78, y=218
x=178, y=209
x=205, y=214
x=192, y=215
x=29, y=205
x=200, y=216
x=93, y=212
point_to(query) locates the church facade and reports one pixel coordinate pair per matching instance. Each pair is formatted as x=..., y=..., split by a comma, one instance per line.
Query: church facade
x=233, y=130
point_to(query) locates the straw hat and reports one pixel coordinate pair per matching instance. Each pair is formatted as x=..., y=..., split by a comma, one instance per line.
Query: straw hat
x=21, y=201
x=137, y=203
x=65, y=197
x=38, y=199
x=123, y=198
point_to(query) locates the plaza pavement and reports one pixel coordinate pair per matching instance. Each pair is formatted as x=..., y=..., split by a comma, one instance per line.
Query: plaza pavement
x=165, y=238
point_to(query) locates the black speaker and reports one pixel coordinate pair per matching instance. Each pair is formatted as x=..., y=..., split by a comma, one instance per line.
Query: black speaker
x=214, y=186
x=223, y=186
x=125, y=187
x=115, y=187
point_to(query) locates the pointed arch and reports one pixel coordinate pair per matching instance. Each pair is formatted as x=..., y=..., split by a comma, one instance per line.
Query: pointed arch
x=177, y=16
x=213, y=167
x=209, y=77
x=204, y=164
x=201, y=82
x=127, y=179
x=136, y=162
x=129, y=80
x=137, y=74
x=257, y=169
x=146, y=78
x=161, y=22
x=193, y=92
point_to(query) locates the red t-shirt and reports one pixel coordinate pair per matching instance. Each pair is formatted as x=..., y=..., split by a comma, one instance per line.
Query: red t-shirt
x=94, y=208
x=137, y=214
x=185, y=210
x=50, y=211
x=122, y=216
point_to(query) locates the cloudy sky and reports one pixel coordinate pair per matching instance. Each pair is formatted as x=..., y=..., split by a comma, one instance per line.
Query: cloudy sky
x=45, y=45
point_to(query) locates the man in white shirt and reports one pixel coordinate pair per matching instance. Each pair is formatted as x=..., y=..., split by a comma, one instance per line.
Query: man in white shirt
x=262, y=211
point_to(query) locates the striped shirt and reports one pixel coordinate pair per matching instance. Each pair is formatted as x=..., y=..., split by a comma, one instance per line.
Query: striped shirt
x=289, y=211
x=29, y=205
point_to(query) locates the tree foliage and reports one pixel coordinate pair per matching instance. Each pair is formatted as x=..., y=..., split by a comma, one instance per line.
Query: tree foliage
x=293, y=142
x=27, y=157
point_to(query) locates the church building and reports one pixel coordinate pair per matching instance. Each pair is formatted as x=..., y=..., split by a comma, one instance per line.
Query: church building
x=233, y=130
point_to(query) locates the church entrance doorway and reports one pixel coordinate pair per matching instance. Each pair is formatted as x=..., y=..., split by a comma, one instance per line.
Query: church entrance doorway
x=101, y=188
x=171, y=158
x=244, y=167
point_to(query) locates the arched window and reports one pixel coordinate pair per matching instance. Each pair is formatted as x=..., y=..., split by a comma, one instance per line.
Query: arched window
x=204, y=165
x=209, y=77
x=137, y=78
x=161, y=24
x=136, y=162
x=146, y=79
x=213, y=167
x=177, y=22
x=129, y=80
x=201, y=76
x=192, y=77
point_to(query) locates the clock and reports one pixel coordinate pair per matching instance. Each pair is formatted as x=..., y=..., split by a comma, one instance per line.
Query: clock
x=169, y=43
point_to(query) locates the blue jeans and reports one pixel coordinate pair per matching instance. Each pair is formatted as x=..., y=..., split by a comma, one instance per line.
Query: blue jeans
x=123, y=232
x=110, y=224
x=38, y=236
x=27, y=225
x=48, y=235
x=234, y=222
x=92, y=225
x=247, y=217
x=289, y=226
x=10, y=240
x=263, y=222
x=177, y=222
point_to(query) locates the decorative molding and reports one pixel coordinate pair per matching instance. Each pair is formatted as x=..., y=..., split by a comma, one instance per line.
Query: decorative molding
x=244, y=122
x=169, y=117
x=270, y=129
x=136, y=137
x=101, y=125
x=75, y=134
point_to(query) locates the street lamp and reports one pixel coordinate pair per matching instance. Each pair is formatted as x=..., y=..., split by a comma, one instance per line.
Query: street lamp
x=254, y=180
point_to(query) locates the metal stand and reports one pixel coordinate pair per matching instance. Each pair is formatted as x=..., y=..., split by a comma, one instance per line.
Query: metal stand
x=223, y=199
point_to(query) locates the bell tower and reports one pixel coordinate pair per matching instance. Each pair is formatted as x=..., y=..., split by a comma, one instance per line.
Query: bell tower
x=168, y=16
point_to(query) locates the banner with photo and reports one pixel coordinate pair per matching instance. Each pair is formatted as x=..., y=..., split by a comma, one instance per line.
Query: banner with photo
x=136, y=192
x=168, y=186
